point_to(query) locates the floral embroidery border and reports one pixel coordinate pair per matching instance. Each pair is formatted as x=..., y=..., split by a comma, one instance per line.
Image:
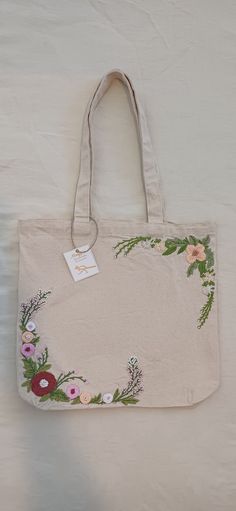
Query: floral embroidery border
x=45, y=385
x=199, y=255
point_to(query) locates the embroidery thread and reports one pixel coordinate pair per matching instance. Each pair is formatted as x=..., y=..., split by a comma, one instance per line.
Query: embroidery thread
x=44, y=384
x=198, y=253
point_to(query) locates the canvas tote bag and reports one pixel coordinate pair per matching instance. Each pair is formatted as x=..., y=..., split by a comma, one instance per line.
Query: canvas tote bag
x=142, y=330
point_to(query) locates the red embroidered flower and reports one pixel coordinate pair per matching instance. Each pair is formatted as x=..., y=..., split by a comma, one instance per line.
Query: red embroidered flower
x=43, y=383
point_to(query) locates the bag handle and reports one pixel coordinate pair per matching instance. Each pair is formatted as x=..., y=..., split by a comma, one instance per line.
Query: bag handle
x=151, y=179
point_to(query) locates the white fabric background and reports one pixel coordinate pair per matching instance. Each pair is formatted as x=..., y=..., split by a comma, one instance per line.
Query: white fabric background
x=181, y=56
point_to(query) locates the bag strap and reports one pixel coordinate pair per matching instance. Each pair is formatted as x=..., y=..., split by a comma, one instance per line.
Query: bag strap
x=151, y=180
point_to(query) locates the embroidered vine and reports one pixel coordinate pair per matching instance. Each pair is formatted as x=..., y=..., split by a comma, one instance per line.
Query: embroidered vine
x=199, y=256
x=44, y=384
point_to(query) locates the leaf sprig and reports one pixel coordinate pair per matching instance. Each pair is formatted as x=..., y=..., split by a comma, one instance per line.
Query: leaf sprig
x=125, y=246
x=126, y=396
x=33, y=305
x=31, y=366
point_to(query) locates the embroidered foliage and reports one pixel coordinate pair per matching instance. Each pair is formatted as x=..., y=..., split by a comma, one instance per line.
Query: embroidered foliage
x=44, y=384
x=199, y=256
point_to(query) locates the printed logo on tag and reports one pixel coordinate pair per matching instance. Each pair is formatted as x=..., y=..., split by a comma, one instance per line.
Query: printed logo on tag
x=81, y=265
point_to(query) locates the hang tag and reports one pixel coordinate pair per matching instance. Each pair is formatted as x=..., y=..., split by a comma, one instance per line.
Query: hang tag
x=81, y=265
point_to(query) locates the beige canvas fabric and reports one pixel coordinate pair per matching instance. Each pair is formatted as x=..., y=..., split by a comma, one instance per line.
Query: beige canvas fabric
x=141, y=332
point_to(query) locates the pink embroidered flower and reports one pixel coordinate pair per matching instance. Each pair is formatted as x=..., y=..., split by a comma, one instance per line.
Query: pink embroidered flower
x=72, y=391
x=27, y=350
x=195, y=253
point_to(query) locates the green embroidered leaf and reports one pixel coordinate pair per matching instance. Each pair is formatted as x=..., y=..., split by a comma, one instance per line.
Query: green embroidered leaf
x=170, y=250
x=205, y=241
x=129, y=400
x=177, y=241
x=96, y=399
x=35, y=340
x=180, y=242
x=192, y=240
x=28, y=362
x=205, y=310
x=202, y=267
x=27, y=384
x=30, y=368
x=116, y=395
x=209, y=257
x=28, y=375
x=45, y=398
x=170, y=243
x=45, y=367
x=76, y=401
x=191, y=268
x=59, y=395
x=182, y=248
x=211, y=283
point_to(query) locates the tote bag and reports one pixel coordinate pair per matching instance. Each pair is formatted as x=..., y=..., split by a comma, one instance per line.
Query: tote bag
x=142, y=330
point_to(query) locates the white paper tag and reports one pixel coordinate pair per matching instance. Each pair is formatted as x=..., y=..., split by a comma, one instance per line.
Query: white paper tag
x=81, y=265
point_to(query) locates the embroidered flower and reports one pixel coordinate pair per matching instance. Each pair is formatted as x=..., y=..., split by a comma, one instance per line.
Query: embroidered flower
x=206, y=290
x=85, y=398
x=72, y=391
x=27, y=337
x=27, y=350
x=145, y=244
x=30, y=326
x=199, y=255
x=160, y=247
x=195, y=253
x=43, y=383
x=107, y=398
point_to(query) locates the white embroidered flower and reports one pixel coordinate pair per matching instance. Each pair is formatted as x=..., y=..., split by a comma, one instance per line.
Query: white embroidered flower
x=145, y=244
x=43, y=383
x=207, y=289
x=107, y=398
x=30, y=326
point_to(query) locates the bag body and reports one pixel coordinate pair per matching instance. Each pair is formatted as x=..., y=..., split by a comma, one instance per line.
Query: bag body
x=141, y=332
